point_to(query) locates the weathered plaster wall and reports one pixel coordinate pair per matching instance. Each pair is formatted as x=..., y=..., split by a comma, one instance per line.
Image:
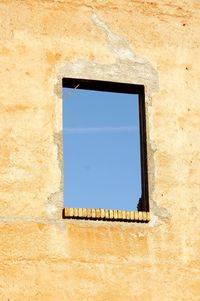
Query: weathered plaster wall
x=155, y=43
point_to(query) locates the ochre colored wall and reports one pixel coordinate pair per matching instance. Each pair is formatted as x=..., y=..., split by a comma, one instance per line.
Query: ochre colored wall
x=42, y=256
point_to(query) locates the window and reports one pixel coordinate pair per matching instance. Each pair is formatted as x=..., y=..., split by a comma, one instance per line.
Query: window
x=104, y=147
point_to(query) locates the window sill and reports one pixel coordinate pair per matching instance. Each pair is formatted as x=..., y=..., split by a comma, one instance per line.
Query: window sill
x=106, y=215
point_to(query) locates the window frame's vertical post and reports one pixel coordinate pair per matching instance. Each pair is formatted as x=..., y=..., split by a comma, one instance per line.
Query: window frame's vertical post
x=144, y=202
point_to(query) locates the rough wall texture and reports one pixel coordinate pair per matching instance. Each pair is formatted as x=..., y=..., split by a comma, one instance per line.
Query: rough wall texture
x=42, y=256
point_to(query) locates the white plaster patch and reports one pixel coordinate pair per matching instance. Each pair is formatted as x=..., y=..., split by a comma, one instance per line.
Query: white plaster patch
x=51, y=210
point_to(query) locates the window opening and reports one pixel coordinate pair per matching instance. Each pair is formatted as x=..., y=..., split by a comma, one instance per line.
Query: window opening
x=104, y=149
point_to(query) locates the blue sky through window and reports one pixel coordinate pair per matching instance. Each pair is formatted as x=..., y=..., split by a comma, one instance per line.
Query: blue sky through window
x=101, y=150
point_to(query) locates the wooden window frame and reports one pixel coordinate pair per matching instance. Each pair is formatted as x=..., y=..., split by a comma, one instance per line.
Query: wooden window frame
x=143, y=214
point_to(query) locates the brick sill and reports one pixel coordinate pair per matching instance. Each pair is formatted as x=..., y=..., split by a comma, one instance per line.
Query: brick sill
x=106, y=215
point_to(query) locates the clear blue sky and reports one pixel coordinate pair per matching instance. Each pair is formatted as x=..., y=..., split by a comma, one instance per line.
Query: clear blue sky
x=101, y=150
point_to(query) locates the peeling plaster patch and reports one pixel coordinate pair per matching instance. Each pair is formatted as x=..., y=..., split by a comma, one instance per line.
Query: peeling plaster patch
x=59, y=143
x=154, y=221
x=151, y=147
x=54, y=204
x=128, y=68
x=58, y=87
x=160, y=212
x=51, y=209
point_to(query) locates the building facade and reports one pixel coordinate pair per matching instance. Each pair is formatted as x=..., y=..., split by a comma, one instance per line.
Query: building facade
x=151, y=43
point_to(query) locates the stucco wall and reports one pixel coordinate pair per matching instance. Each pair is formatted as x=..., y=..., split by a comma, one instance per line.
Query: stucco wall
x=42, y=256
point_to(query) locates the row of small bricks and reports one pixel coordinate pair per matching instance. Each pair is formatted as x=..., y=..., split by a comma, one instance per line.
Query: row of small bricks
x=105, y=214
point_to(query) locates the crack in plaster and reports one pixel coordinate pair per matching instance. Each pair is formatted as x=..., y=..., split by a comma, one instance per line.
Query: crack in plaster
x=118, y=45
x=129, y=67
x=144, y=72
